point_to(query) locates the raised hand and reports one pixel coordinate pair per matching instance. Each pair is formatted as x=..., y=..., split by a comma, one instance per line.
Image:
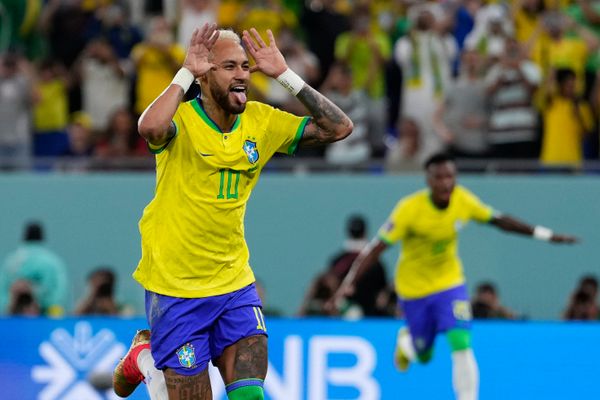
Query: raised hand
x=267, y=58
x=203, y=39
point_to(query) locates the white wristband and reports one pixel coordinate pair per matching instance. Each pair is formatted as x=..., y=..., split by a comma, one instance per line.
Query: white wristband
x=542, y=233
x=291, y=81
x=184, y=78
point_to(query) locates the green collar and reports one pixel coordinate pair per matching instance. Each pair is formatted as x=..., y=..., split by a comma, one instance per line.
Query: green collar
x=197, y=104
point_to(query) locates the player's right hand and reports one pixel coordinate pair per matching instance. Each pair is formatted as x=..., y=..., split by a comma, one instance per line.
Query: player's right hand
x=203, y=39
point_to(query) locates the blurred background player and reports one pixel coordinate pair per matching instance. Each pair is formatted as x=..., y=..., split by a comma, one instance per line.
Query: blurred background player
x=201, y=301
x=429, y=279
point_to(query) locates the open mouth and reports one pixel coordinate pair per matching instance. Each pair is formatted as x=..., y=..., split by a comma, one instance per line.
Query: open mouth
x=239, y=93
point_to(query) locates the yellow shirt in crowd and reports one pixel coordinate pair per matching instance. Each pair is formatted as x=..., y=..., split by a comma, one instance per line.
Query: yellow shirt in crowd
x=563, y=133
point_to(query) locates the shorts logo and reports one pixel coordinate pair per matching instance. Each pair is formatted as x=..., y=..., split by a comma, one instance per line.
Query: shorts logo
x=251, y=151
x=419, y=344
x=187, y=356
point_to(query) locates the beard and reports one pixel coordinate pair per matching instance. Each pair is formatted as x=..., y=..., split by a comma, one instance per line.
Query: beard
x=223, y=99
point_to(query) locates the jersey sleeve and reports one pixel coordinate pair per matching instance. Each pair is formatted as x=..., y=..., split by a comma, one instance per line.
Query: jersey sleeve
x=478, y=210
x=285, y=131
x=396, y=226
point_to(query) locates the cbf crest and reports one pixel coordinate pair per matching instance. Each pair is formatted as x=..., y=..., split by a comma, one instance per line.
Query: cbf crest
x=251, y=151
x=187, y=356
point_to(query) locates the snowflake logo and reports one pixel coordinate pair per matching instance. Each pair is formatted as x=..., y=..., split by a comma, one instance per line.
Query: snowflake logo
x=71, y=358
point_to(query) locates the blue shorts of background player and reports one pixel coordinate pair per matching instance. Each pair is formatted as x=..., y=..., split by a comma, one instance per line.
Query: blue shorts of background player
x=447, y=312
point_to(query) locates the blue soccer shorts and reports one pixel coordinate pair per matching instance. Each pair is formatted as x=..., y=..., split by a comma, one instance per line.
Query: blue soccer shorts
x=188, y=333
x=436, y=313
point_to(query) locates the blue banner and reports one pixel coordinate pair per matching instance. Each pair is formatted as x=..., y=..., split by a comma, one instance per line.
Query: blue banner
x=314, y=359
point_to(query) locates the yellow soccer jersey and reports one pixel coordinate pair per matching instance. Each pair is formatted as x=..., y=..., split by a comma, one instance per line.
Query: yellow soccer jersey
x=429, y=260
x=193, y=241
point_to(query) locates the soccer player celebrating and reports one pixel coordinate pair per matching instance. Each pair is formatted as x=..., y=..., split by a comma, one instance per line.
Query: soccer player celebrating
x=429, y=277
x=201, y=302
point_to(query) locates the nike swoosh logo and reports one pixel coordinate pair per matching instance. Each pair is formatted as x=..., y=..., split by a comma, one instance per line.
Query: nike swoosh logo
x=205, y=154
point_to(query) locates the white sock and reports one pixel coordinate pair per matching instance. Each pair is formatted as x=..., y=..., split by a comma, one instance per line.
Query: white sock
x=465, y=375
x=406, y=344
x=154, y=378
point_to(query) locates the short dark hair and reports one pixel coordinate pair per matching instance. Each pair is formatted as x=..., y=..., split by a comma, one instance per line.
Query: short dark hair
x=488, y=287
x=438, y=158
x=34, y=232
x=356, y=226
x=589, y=280
x=105, y=272
x=564, y=74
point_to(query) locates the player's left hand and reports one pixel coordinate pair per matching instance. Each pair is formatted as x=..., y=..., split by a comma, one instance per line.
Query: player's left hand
x=267, y=58
x=568, y=239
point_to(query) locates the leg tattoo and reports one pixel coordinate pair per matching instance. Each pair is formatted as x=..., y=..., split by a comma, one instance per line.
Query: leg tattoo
x=182, y=387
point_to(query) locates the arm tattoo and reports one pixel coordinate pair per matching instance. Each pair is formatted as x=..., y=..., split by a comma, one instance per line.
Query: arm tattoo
x=327, y=116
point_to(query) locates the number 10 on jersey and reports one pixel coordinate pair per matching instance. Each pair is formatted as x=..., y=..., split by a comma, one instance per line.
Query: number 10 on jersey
x=228, y=186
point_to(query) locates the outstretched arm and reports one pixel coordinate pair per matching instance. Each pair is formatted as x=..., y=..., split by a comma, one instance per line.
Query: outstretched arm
x=155, y=122
x=510, y=224
x=328, y=123
x=365, y=260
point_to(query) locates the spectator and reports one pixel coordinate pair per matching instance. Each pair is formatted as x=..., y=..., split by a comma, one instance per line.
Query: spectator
x=527, y=18
x=19, y=28
x=425, y=55
x=42, y=268
x=15, y=110
x=371, y=285
x=465, y=18
x=80, y=136
x=120, y=138
x=513, y=120
x=194, y=13
x=100, y=298
x=486, y=303
x=67, y=26
x=338, y=88
x=366, y=50
x=587, y=13
x=120, y=32
x=492, y=29
x=462, y=118
x=156, y=59
x=583, y=303
x=51, y=110
x=589, y=284
x=565, y=45
x=323, y=23
x=567, y=119
x=263, y=15
x=104, y=83
x=406, y=153
x=320, y=292
x=22, y=300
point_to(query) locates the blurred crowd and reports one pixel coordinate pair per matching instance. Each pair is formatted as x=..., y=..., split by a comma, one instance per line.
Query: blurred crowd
x=488, y=80
x=35, y=281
